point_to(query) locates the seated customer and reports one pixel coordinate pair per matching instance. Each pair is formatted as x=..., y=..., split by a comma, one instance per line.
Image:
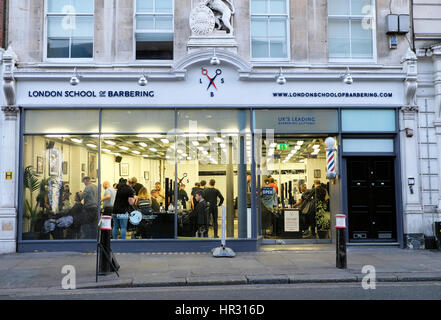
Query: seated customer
x=154, y=196
x=143, y=202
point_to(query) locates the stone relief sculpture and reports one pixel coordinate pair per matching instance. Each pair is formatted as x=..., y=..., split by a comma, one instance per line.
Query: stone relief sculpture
x=212, y=14
x=223, y=10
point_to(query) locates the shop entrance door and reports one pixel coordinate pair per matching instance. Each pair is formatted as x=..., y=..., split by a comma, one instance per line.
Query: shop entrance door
x=371, y=199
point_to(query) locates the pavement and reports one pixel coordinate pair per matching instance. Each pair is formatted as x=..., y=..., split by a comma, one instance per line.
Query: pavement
x=277, y=264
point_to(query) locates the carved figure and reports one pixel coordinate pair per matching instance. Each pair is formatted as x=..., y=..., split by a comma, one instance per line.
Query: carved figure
x=223, y=10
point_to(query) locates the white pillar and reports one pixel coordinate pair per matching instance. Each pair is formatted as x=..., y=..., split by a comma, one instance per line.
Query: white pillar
x=436, y=50
x=8, y=156
x=8, y=180
x=413, y=227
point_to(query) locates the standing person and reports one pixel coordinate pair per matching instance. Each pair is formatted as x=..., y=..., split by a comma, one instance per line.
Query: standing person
x=211, y=194
x=248, y=183
x=274, y=185
x=135, y=185
x=108, y=199
x=90, y=198
x=196, y=188
x=161, y=193
x=125, y=198
x=182, y=195
x=201, y=214
x=203, y=184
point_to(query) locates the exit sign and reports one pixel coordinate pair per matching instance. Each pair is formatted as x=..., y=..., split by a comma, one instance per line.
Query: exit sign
x=283, y=146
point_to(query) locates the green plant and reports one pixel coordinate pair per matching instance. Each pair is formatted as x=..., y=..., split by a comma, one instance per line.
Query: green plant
x=30, y=182
x=323, y=222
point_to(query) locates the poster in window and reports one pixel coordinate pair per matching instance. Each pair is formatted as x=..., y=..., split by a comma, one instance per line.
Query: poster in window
x=92, y=166
x=124, y=169
x=292, y=221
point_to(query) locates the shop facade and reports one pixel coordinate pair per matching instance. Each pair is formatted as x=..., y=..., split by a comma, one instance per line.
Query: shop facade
x=143, y=89
x=106, y=129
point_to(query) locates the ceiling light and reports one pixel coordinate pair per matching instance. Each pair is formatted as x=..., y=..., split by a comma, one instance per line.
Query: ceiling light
x=123, y=148
x=180, y=151
x=217, y=139
x=195, y=143
x=117, y=154
x=165, y=141
x=136, y=152
x=145, y=155
x=201, y=148
x=77, y=140
x=299, y=143
x=143, y=144
x=105, y=150
x=91, y=145
x=297, y=147
x=273, y=145
x=153, y=149
x=316, y=146
x=223, y=145
x=112, y=143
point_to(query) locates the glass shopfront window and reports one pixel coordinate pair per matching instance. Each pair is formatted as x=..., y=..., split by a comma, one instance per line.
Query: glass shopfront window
x=293, y=190
x=212, y=159
x=60, y=196
x=141, y=162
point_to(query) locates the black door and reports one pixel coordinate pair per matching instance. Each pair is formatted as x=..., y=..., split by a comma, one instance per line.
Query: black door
x=371, y=199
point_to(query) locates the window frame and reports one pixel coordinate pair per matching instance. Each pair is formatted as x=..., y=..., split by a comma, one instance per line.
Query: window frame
x=350, y=17
x=287, y=16
x=152, y=14
x=45, y=42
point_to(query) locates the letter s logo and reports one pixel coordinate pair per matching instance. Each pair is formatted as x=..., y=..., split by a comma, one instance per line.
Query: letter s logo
x=69, y=20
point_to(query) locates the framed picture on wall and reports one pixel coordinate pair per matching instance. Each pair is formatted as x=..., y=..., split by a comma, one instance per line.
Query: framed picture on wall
x=123, y=169
x=92, y=166
x=317, y=173
x=40, y=165
x=64, y=167
x=83, y=167
x=54, y=163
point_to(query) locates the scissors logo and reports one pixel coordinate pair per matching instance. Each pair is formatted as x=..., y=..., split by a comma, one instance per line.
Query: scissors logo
x=211, y=79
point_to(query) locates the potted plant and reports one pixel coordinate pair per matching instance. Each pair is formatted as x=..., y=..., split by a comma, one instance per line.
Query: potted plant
x=323, y=223
x=30, y=212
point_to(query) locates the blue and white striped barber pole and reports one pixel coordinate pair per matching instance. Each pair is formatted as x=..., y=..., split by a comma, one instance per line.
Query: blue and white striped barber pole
x=331, y=158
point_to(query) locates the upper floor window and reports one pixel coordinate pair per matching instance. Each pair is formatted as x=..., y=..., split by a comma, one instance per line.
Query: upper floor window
x=70, y=28
x=154, y=29
x=351, y=29
x=269, y=29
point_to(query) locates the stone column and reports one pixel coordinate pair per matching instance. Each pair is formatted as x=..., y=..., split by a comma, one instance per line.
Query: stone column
x=409, y=155
x=436, y=50
x=8, y=159
x=8, y=180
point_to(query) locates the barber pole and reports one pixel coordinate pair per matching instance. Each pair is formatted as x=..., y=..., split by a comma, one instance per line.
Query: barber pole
x=330, y=157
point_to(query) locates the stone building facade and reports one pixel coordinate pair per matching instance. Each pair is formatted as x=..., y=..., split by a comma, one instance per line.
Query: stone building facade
x=312, y=41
